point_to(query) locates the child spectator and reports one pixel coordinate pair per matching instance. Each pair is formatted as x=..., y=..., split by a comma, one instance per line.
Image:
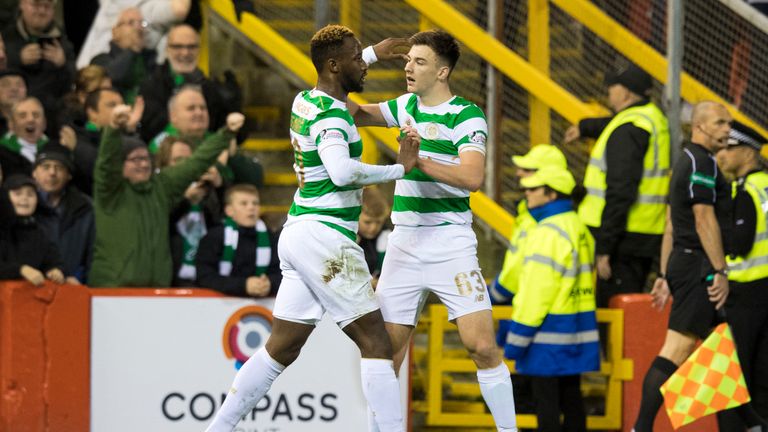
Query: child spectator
x=25, y=249
x=371, y=233
x=240, y=258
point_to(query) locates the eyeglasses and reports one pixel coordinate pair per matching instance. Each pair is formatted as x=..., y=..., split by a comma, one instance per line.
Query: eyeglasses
x=134, y=23
x=190, y=47
x=139, y=159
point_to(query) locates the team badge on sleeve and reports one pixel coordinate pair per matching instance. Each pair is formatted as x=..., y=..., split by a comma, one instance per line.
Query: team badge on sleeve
x=331, y=135
x=477, y=137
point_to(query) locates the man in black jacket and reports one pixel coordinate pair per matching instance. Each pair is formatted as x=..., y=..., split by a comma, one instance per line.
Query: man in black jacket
x=627, y=181
x=128, y=61
x=64, y=212
x=41, y=51
x=180, y=69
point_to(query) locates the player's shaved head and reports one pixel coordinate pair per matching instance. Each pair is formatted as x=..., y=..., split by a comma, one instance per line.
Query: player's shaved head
x=326, y=44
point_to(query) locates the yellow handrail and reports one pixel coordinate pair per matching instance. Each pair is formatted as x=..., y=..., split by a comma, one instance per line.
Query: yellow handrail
x=505, y=60
x=643, y=55
x=300, y=65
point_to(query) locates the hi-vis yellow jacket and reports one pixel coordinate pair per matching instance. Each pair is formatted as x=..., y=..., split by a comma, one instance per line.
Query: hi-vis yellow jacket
x=754, y=266
x=505, y=286
x=647, y=214
x=553, y=330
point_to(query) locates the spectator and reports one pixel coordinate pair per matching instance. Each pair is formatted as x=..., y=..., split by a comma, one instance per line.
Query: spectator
x=64, y=212
x=240, y=258
x=189, y=120
x=371, y=232
x=198, y=212
x=25, y=137
x=71, y=111
x=36, y=45
x=12, y=89
x=181, y=69
x=627, y=181
x=133, y=205
x=128, y=61
x=159, y=15
x=84, y=141
x=25, y=249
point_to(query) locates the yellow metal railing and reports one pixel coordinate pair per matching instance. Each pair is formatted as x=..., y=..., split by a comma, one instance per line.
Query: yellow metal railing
x=441, y=363
x=300, y=65
x=643, y=55
x=537, y=83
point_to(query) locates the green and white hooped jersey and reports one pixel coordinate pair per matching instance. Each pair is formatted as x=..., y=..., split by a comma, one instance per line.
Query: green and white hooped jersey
x=318, y=119
x=446, y=130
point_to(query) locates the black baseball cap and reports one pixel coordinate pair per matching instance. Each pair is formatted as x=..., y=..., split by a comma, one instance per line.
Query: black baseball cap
x=630, y=76
x=56, y=152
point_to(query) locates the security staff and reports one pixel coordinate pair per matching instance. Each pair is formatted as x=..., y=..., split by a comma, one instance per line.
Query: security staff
x=553, y=335
x=692, y=264
x=747, y=304
x=504, y=286
x=627, y=182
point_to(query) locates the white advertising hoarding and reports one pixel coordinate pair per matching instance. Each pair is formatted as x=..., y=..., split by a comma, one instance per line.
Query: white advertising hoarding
x=164, y=364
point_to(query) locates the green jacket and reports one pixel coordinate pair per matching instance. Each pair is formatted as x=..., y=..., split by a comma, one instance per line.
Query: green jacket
x=132, y=246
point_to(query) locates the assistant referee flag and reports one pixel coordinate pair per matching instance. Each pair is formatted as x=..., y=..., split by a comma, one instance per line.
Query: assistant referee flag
x=710, y=380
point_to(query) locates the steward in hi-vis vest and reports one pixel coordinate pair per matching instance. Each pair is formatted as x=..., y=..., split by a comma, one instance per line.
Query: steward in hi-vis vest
x=553, y=335
x=627, y=182
x=504, y=286
x=747, y=304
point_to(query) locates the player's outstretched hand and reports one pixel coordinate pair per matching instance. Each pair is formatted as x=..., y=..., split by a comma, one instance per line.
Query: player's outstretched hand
x=409, y=148
x=235, y=121
x=120, y=116
x=392, y=48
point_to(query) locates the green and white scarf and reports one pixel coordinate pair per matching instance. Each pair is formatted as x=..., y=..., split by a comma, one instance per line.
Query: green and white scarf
x=11, y=142
x=231, y=237
x=191, y=228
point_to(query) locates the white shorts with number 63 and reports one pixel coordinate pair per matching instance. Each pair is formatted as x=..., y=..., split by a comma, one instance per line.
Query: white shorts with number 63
x=441, y=259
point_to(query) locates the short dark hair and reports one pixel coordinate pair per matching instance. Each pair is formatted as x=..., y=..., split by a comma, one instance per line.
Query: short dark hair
x=241, y=188
x=326, y=43
x=442, y=43
x=374, y=203
x=93, y=98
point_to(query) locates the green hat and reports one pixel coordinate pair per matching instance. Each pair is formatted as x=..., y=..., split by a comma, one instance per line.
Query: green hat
x=539, y=156
x=556, y=178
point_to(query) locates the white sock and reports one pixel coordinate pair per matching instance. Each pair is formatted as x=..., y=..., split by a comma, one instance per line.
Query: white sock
x=252, y=382
x=382, y=391
x=496, y=387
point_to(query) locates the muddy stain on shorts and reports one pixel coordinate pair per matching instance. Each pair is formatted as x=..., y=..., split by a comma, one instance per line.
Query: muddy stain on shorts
x=333, y=267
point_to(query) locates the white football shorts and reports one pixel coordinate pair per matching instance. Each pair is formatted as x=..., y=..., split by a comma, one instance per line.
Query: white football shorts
x=323, y=271
x=440, y=259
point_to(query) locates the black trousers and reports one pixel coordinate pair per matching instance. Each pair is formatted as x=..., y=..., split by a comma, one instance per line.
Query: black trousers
x=747, y=313
x=556, y=395
x=629, y=274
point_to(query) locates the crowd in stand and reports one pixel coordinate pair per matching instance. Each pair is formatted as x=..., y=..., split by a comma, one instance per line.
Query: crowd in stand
x=114, y=171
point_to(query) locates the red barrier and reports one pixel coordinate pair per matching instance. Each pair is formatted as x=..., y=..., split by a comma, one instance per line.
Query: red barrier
x=644, y=332
x=44, y=357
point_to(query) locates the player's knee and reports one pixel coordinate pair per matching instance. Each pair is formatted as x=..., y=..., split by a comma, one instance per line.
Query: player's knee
x=484, y=353
x=375, y=346
x=285, y=354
